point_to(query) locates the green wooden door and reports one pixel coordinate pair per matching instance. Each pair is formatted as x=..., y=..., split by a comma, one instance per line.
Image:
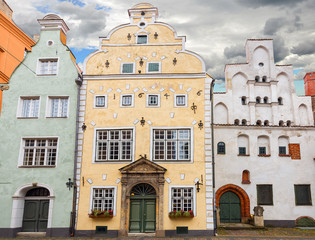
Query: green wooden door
x=230, y=208
x=35, y=216
x=142, y=215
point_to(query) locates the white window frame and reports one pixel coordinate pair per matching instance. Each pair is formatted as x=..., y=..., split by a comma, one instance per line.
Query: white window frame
x=104, y=187
x=133, y=67
x=114, y=161
x=182, y=186
x=20, y=106
x=105, y=103
x=172, y=128
x=48, y=106
x=147, y=67
x=38, y=69
x=21, y=154
x=179, y=95
x=153, y=94
x=132, y=100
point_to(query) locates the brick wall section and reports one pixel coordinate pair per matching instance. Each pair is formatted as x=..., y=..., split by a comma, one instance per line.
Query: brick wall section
x=294, y=150
x=245, y=203
x=309, y=84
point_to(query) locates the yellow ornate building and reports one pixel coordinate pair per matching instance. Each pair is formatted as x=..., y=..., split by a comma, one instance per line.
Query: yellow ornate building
x=145, y=143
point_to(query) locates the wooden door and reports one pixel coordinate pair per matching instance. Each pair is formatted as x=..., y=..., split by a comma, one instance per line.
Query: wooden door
x=35, y=216
x=230, y=208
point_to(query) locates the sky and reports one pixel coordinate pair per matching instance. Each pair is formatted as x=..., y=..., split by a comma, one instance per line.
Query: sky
x=215, y=29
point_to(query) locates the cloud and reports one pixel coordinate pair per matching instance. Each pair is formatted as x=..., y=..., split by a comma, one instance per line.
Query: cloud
x=281, y=51
x=304, y=48
x=273, y=25
x=272, y=3
x=234, y=51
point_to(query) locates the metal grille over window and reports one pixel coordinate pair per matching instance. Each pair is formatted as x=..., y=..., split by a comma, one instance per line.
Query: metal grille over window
x=58, y=107
x=30, y=107
x=171, y=144
x=242, y=151
x=103, y=199
x=282, y=150
x=48, y=67
x=127, y=100
x=182, y=199
x=181, y=100
x=262, y=150
x=142, y=39
x=154, y=67
x=40, y=152
x=114, y=145
x=100, y=101
x=127, y=68
x=221, y=148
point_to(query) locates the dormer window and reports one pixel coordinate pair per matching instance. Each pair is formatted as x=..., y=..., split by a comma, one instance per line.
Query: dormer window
x=142, y=39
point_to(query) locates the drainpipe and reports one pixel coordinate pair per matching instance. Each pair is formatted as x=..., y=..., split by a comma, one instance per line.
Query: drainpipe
x=213, y=165
x=78, y=81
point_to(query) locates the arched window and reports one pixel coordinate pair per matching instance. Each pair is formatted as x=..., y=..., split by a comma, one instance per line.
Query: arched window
x=264, y=79
x=244, y=122
x=39, y=191
x=281, y=123
x=280, y=101
x=245, y=177
x=236, y=122
x=265, y=99
x=256, y=78
x=266, y=123
x=283, y=143
x=221, y=148
x=257, y=99
x=258, y=123
x=263, y=145
x=289, y=123
x=243, y=145
x=243, y=99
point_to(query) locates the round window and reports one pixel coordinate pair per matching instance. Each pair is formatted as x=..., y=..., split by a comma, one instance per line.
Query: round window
x=50, y=43
x=142, y=24
x=261, y=64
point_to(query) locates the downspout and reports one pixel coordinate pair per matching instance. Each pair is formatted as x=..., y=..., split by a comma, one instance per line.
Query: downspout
x=78, y=81
x=213, y=163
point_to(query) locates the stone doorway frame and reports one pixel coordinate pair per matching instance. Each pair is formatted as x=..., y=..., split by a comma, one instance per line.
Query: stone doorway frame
x=142, y=171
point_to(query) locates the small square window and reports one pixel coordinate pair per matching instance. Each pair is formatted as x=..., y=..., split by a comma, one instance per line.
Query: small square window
x=153, y=100
x=262, y=151
x=47, y=67
x=153, y=67
x=180, y=101
x=242, y=150
x=126, y=100
x=127, y=68
x=264, y=195
x=29, y=107
x=100, y=102
x=221, y=148
x=282, y=150
x=58, y=107
x=142, y=39
x=303, y=195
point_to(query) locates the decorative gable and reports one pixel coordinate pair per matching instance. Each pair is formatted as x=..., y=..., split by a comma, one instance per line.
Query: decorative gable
x=141, y=166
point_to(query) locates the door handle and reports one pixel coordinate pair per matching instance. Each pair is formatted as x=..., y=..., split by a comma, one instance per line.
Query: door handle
x=144, y=214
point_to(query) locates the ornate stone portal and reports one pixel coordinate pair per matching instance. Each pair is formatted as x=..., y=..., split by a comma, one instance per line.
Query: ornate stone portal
x=141, y=171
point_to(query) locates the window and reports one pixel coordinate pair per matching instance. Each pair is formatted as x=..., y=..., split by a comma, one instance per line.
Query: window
x=142, y=39
x=236, y=122
x=172, y=144
x=257, y=99
x=264, y=194
x=280, y=101
x=39, y=152
x=127, y=68
x=282, y=150
x=262, y=150
x=243, y=100
x=47, y=67
x=180, y=100
x=245, y=177
x=256, y=78
x=221, y=148
x=153, y=67
x=182, y=199
x=258, y=123
x=303, y=195
x=281, y=123
x=289, y=123
x=126, y=100
x=264, y=79
x=266, y=123
x=103, y=199
x=114, y=145
x=244, y=122
x=242, y=151
x=29, y=107
x=100, y=102
x=265, y=99
x=58, y=107
x=153, y=100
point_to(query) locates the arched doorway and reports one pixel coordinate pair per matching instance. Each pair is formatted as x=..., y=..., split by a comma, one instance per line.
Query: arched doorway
x=36, y=208
x=142, y=209
x=230, y=208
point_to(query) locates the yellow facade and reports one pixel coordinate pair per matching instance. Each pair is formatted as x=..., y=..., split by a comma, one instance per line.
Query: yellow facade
x=185, y=77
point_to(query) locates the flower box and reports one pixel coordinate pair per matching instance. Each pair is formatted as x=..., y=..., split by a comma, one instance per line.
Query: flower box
x=101, y=214
x=181, y=214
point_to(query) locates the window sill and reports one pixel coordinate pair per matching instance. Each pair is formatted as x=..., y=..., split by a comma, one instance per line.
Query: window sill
x=27, y=117
x=57, y=117
x=264, y=155
x=284, y=155
x=34, y=166
x=221, y=153
x=51, y=74
x=243, y=155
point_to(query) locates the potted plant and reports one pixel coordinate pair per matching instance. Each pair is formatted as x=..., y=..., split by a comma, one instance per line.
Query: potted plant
x=101, y=214
x=181, y=214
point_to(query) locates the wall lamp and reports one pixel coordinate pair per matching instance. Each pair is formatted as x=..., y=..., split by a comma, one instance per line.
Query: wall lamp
x=174, y=61
x=141, y=62
x=69, y=184
x=107, y=63
x=129, y=37
x=83, y=127
x=200, y=125
x=142, y=122
x=198, y=184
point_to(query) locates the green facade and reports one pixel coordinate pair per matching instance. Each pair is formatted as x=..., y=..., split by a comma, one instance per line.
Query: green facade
x=18, y=180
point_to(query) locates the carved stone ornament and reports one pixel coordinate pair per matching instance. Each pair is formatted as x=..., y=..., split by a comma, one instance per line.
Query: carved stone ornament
x=4, y=87
x=258, y=211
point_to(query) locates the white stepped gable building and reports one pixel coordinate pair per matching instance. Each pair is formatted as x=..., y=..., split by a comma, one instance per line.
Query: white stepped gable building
x=264, y=141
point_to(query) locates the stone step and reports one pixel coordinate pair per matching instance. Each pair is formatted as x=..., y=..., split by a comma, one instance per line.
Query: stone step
x=31, y=234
